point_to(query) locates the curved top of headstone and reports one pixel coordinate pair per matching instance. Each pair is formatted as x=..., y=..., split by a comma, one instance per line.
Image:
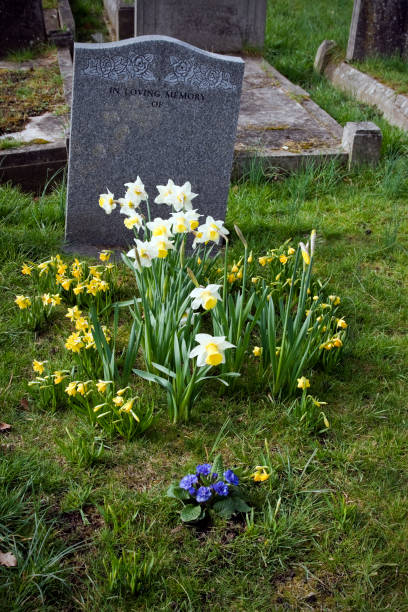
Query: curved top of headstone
x=155, y=38
x=158, y=59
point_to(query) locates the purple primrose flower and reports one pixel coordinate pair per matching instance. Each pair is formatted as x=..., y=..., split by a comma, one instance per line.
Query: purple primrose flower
x=188, y=481
x=204, y=469
x=231, y=477
x=203, y=494
x=221, y=488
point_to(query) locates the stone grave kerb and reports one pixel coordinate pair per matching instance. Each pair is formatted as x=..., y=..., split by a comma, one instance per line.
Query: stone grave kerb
x=153, y=107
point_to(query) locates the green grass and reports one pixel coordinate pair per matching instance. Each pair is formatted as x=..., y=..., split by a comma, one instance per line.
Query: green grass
x=339, y=538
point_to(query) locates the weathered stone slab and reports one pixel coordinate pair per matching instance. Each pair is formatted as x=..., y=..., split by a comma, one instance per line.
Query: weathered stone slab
x=370, y=91
x=21, y=24
x=378, y=27
x=224, y=26
x=121, y=18
x=151, y=107
x=363, y=141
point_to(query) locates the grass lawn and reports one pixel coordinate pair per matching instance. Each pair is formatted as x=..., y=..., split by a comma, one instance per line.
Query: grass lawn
x=329, y=526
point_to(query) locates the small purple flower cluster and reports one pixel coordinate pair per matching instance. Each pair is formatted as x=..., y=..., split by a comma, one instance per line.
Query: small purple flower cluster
x=204, y=485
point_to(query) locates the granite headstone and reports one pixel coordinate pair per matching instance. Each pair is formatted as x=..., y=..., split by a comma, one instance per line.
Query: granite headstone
x=378, y=27
x=21, y=24
x=151, y=107
x=223, y=26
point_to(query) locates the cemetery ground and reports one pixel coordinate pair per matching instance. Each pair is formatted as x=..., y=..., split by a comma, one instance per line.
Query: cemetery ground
x=337, y=537
x=328, y=530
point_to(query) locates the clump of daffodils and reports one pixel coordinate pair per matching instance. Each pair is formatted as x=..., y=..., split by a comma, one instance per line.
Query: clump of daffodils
x=117, y=411
x=162, y=236
x=48, y=385
x=36, y=311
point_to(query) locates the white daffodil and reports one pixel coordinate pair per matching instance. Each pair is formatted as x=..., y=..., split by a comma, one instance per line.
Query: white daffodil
x=166, y=193
x=145, y=252
x=306, y=254
x=161, y=246
x=210, y=350
x=133, y=222
x=211, y=230
x=136, y=191
x=106, y=201
x=184, y=221
x=160, y=227
x=205, y=296
x=128, y=206
x=183, y=196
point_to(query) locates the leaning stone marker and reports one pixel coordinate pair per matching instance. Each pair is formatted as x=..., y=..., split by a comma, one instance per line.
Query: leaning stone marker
x=378, y=27
x=224, y=26
x=151, y=107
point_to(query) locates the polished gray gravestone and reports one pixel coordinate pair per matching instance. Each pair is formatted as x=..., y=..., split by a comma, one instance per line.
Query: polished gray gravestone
x=378, y=27
x=223, y=26
x=151, y=107
x=21, y=24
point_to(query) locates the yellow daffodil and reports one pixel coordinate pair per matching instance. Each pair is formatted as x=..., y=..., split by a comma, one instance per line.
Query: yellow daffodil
x=291, y=250
x=303, y=383
x=43, y=267
x=254, y=280
x=73, y=313
x=55, y=299
x=261, y=473
x=98, y=407
x=263, y=260
x=250, y=258
x=58, y=377
x=102, y=385
x=128, y=406
x=38, y=366
x=66, y=283
x=62, y=268
x=81, y=388
x=105, y=255
x=89, y=340
x=81, y=324
x=71, y=389
x=335, y=299
x=22, y=302
x=257, y=351
x=118, y=401
x=283, y=259
x=79, y=289
x=74, y=342
x=337, y=342
x=26, y=269
x=231, y=277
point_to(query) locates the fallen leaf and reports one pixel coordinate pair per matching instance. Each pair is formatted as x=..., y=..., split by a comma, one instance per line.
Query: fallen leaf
x=5, y=427
x=24, y=403
x=8, y=559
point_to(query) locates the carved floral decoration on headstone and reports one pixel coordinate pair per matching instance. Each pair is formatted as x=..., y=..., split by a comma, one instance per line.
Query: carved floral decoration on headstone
x=119, y=68
x=187, y=71
x=183, y=71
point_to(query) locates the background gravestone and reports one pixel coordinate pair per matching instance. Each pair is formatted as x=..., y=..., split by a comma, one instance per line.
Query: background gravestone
x=153, y=107
x=21, y=24
x=378, y=27
x=224, y=26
